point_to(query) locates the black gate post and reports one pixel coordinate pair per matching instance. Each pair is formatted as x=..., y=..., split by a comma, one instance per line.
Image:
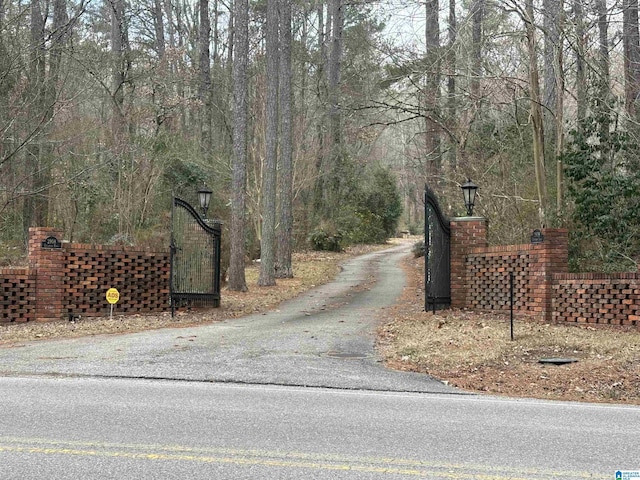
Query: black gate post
x=437, y=255
x=195, y=258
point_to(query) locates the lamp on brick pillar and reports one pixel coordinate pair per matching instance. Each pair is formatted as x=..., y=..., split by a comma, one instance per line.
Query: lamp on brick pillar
x=469, y=190
x=467, y=233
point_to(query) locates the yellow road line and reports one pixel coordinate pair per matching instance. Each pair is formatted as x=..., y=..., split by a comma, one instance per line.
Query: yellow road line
x=391, y=466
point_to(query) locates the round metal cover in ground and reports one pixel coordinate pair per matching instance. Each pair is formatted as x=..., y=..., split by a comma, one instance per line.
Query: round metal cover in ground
x=557, y=361
x=347, y=355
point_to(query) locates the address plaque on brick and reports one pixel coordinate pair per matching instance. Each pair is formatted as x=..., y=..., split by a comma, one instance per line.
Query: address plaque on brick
x=51, y=242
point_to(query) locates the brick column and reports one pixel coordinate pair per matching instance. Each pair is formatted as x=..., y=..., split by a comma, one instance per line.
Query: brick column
x=549, y=257
x=48, y=266
x=466, y=233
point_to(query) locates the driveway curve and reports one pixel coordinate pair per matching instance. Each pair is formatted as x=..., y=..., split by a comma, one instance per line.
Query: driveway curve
x=324, y=338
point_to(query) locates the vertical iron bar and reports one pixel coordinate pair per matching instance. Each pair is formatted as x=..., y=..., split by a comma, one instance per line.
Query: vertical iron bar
x=511, y=275
x=426, y=259
x=216, y=267
x=172, y=252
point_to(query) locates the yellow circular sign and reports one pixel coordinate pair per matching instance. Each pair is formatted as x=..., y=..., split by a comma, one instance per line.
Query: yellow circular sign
x=113, y=296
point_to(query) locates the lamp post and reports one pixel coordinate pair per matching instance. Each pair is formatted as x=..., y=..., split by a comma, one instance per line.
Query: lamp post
x=204, y=195
x=469, y=193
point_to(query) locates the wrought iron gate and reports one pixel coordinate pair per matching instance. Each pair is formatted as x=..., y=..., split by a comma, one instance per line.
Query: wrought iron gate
x=195, y=258
x=437, y=254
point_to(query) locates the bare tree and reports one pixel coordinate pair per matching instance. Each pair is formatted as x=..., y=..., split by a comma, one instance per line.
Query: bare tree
x=237, y=279
x=267, y=240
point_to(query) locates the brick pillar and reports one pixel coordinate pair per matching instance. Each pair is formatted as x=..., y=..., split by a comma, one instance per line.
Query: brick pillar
x=549, y=257
x=48, y=266
x=466, y=233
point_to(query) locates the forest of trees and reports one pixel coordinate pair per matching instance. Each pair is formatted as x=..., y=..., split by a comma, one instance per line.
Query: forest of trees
x=317, y=123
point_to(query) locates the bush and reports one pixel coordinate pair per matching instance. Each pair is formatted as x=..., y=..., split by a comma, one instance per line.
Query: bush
x=602, y=167
x=418, y=249
x=326, y=238
x=363, y=227
x=370, y=213
x=416, y=229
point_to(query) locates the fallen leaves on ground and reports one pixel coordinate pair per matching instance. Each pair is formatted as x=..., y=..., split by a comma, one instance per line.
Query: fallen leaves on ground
x=474, y=351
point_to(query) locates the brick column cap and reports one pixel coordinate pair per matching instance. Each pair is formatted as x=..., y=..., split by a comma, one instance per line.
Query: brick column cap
x=468, y=219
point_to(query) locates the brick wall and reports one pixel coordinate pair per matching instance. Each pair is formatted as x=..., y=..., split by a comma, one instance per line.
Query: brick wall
x=542, y=284
x=592, y=298
x=467, y=233
x=141, y=277
x=488, y=277
x=75, y=278
x=47, y=264
x=18, y=287
x=480, y=274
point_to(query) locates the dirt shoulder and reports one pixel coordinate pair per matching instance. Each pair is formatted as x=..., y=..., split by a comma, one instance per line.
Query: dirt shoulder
x=474, y=351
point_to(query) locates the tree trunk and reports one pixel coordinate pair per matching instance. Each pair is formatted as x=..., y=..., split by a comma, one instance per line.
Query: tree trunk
x=477, y=18
x=432, y=88
x=321, y=161
x=118, y=70
x=604, y=90
x=536, y=113
x=232, y=29
x=168, y=8
x=216, y=34
x=283, y=264
x=59, y=37
x=334, y=139
x=158, y=23
x=631, y=40
x=451, y=81
x=237, y=279
x=580, y=49
x=267, y=240
x=603, y=48
x=180, y=66
x=35, y=204
x=559, y=108
x=160, y=90
x=551, y=17
x=204, y=84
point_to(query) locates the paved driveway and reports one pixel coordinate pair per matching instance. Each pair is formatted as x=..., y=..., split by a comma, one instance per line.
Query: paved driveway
x=324, y=338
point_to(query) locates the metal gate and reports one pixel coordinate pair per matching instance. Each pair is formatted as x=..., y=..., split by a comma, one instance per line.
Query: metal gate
x=195, y=258
x=437, y=254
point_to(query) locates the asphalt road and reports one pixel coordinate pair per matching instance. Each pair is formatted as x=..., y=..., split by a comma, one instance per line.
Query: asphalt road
x=297, y=393
x=70, y=428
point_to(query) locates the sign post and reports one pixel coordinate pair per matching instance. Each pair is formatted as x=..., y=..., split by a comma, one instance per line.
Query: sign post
x=112, y=297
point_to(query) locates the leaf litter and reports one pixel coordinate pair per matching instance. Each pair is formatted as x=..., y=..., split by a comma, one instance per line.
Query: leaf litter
x=473, y=351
